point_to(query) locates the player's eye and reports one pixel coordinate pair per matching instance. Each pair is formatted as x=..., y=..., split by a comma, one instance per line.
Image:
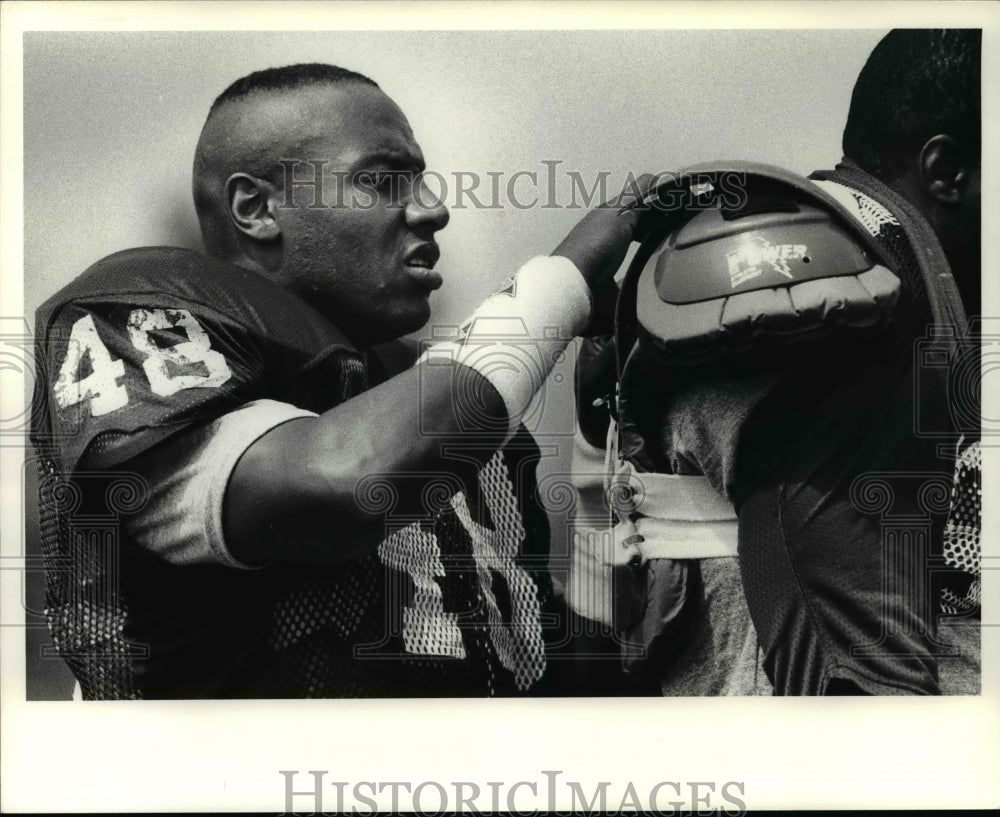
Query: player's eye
x=381, y=179
x=390, y=179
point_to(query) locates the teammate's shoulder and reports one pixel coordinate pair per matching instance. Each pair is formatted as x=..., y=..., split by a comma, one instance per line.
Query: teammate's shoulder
x=754, y=254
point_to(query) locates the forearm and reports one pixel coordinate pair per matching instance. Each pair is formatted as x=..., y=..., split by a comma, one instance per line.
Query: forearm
x=320, y=490
x=312, y=490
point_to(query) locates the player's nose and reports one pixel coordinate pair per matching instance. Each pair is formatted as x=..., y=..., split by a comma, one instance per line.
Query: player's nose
x=426, y=210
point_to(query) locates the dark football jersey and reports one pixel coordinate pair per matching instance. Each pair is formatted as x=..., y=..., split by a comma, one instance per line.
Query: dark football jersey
x=842, y=504
x=150, y=342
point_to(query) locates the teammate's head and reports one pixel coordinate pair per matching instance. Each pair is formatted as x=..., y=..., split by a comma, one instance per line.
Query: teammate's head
x=354, y=234
x=915, y=122
x=916, y=84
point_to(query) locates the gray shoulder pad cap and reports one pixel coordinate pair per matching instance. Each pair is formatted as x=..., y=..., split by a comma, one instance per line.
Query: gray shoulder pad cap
x=788, y=262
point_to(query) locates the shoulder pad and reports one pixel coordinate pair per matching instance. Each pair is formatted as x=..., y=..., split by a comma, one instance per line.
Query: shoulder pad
x=168, y=276
x=774, y=256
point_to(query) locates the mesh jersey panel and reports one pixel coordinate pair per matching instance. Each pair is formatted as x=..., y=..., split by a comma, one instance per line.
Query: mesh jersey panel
x=449, y=605
x=962, y=545
x=445, y=607
x=85, y=609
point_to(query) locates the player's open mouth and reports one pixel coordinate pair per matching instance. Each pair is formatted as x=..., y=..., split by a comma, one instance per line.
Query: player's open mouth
x=421, y=264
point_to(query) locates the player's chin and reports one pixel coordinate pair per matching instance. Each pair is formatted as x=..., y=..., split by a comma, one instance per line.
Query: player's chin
x=409, y=316
x=416, y=315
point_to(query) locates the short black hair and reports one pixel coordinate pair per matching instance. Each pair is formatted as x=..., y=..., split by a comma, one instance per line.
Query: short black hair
x=917, y=83
x=288, y=77
x=214, y=163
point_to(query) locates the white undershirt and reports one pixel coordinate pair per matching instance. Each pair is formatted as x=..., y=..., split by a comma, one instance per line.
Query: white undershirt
x=187, y=478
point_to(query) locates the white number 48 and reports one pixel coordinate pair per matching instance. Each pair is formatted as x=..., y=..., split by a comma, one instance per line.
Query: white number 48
x=163, y=365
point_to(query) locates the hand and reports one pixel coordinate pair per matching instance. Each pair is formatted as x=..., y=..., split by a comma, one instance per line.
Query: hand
x=598, y=243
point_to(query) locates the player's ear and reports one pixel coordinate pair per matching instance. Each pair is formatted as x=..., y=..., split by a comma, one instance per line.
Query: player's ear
x=942, y=169
x=252, y=206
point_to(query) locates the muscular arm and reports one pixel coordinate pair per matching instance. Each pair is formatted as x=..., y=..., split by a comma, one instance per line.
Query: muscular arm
x=294, y=494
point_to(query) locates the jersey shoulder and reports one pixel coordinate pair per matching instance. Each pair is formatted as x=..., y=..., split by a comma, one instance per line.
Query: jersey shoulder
x=149, y=341
x=200, y=283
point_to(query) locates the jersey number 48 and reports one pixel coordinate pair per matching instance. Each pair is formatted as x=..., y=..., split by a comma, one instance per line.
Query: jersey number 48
x=168, y=368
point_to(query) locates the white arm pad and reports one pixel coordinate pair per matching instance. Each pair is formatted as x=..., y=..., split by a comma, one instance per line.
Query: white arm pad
x=516, y=335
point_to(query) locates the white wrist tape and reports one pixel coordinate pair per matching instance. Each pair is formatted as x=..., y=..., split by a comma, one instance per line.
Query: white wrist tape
x=518, y=334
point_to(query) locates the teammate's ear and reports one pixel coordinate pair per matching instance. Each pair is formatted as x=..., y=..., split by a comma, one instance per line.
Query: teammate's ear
x=942, y=169
x=251, y=206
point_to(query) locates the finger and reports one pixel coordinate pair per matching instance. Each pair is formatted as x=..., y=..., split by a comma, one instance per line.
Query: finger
x=636, y=190
x=625, y=545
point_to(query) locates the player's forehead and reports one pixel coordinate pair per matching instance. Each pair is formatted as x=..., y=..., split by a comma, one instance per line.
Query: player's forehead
x=344, y=124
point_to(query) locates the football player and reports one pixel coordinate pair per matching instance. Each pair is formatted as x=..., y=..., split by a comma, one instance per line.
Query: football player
x=248, y=489
x=787, y=530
